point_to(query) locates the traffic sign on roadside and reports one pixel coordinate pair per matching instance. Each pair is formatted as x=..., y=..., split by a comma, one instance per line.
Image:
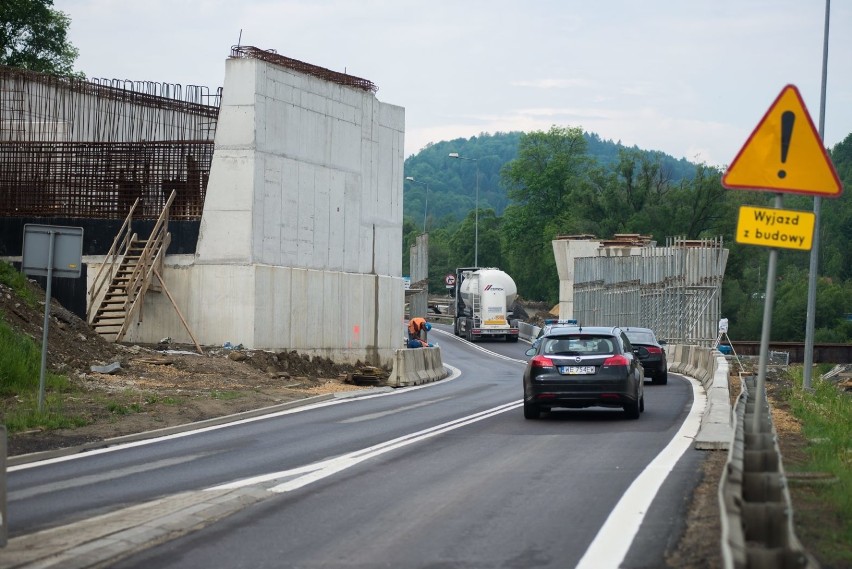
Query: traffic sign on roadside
x=770, y=227
x=784, y=153
x=450, y=280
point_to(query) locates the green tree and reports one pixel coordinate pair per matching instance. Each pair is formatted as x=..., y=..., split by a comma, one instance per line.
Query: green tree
x=542, y=183
x=34, y=36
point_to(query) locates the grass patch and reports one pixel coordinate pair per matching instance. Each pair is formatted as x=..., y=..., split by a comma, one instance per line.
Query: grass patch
x=20, y=364
x=20, y=370
x=225, y=395
x=154, y=399
x=17, y=281
x=826, y=417
x=26, y=416
x=116, y=408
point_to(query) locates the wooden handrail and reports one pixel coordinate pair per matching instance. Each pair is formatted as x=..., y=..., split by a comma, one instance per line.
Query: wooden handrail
x=111, y=260
x=152, y=255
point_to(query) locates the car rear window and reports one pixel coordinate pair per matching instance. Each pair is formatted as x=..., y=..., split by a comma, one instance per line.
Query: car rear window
x=579, y=345
x=641, y=338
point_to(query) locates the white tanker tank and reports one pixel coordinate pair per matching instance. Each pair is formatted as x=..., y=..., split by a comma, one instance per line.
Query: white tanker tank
x=484, y=300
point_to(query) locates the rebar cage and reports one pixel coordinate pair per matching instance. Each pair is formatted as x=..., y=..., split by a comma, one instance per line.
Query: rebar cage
x=78, y=148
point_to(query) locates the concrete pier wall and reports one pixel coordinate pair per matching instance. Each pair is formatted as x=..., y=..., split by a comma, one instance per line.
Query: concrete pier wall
x=299, y=240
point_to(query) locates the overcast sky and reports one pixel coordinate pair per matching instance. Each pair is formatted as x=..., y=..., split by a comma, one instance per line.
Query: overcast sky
x=692, y=78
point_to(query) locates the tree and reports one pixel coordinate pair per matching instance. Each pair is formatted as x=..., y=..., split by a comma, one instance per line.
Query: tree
x=542, y=182
x=34, y=36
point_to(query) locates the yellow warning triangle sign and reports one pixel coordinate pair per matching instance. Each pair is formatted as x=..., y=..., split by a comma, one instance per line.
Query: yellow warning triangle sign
x=784, y=153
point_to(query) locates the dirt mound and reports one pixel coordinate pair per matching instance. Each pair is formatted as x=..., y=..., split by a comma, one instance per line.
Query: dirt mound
x=120, y=389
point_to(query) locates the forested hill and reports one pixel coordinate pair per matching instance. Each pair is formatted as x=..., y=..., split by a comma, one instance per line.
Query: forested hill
x=536, y=186
x=452, y=182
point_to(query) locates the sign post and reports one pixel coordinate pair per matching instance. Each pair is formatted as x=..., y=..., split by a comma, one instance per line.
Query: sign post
x=784, y=154
x=50, y=250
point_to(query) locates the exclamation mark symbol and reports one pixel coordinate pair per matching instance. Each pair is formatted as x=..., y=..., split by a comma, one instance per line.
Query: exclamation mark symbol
x=787, y=120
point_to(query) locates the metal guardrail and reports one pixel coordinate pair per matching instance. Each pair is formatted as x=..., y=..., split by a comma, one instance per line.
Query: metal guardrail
x=754, y=500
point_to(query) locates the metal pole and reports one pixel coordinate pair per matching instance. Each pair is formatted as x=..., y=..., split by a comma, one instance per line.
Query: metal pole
x=476, y=221
x=476, y=212
x=426, y=207
x=46, y=322
x=808, y=364
x=764, y=334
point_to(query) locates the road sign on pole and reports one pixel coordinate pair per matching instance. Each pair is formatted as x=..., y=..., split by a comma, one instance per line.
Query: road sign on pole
x=771, y=227
x=450, y=280
x=784, y=153
x=50, y=251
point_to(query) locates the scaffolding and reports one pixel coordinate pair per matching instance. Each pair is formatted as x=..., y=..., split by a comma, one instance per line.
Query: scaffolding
x=77, y=148
x=676, y=290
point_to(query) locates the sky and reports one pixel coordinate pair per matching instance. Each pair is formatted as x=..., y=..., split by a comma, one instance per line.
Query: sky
x=691, y=78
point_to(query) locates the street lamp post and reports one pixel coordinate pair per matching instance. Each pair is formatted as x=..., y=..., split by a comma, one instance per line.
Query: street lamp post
x=476, y=211
x=426, y=207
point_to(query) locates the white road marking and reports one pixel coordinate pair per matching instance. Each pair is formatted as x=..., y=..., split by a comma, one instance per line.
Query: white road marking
x=393, y=411
x=102, y=477
x=318, y=471
x=125, y=446
x=480, y=348
x=613, y=540
x=454, y=374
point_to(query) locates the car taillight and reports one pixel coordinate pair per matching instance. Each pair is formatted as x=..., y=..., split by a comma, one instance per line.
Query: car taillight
x=541, y=361
x=616, y=361
x=654, y=350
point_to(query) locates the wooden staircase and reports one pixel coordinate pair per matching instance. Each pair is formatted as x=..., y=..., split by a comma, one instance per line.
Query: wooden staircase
x=127, y=274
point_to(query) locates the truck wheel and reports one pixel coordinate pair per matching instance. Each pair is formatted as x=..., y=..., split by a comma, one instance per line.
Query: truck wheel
x=511, y=338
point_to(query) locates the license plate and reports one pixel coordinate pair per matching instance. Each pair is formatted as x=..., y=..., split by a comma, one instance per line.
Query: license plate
x=577, y=370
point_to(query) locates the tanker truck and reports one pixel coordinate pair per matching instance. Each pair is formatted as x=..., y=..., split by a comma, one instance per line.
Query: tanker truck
x=483, y=302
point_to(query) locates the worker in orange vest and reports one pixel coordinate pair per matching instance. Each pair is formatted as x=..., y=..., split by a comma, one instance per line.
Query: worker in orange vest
x=417, y=329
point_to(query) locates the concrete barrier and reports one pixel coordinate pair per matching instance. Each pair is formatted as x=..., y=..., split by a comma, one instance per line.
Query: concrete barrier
x=414, y=366
x=755, y=508
x=711, y=369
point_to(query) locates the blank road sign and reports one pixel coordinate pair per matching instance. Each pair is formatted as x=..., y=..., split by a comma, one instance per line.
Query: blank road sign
x=67, y=250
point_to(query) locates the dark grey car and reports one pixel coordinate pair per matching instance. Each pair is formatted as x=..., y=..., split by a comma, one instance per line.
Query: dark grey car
x=583, y=367
x=651, y=353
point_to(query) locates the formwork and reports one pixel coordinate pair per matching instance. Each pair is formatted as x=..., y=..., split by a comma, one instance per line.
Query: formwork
x=675, y=290
x=87, y=148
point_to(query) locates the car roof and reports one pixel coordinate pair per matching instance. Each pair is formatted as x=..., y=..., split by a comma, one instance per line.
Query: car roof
x=638, y=329
x=590, y=330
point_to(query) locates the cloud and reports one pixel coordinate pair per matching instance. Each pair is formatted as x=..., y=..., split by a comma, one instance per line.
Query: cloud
x=554, y=83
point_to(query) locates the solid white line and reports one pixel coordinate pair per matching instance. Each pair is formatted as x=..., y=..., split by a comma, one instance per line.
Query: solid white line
x=454, y=374
x=104, y=476
x=613, y=540
x=393, y=411
x=351, y=460
x=480, y=348
x=124, y=446
x=323, y=469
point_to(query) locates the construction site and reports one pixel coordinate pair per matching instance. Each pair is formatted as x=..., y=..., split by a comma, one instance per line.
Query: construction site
x=256, y=213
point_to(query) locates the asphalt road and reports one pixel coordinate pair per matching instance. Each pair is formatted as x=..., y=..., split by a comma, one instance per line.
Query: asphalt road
x=445, y=475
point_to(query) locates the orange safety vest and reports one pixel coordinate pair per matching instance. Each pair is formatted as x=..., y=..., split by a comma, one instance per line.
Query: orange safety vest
x=415, y=325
